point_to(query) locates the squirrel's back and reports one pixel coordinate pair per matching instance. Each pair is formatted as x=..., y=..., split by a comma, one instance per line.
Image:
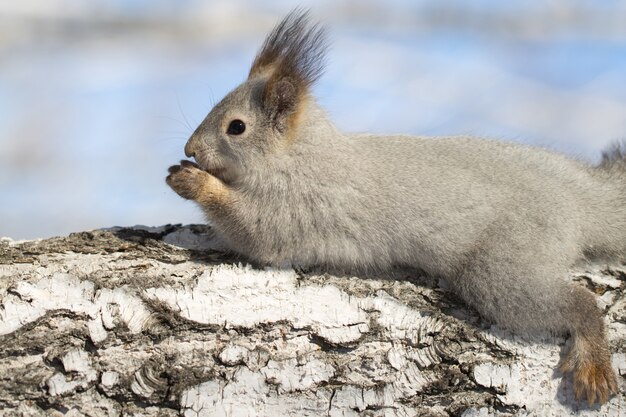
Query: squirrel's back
x=466, y=180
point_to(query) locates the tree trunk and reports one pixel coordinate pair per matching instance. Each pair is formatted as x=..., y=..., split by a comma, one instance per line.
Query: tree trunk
x=161, y=322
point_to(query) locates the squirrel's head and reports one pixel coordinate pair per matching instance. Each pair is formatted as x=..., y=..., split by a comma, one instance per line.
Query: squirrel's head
x=263, y=114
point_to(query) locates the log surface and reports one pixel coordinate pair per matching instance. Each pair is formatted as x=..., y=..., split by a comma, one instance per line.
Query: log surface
x=163, y=322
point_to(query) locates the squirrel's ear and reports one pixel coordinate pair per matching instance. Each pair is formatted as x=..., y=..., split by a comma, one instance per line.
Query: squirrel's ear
x=292, y=58
x=280, y=100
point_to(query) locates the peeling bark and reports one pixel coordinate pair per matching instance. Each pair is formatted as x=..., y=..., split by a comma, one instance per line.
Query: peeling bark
x=163, y=322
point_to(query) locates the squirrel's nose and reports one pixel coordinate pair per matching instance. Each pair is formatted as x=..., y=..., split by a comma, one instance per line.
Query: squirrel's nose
x=189, y=151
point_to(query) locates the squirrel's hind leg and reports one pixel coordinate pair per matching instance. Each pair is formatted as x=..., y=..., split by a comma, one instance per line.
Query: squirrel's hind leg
x=589, y=359
x=520, y=288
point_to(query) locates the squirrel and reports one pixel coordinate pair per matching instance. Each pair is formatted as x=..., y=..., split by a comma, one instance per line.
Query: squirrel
x=499, y=222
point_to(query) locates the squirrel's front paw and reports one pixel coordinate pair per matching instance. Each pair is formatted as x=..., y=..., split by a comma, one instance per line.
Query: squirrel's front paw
x=188, y=180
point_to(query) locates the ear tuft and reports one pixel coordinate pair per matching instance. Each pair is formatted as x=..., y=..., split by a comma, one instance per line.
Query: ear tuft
x=295, y=47
x=293, y=57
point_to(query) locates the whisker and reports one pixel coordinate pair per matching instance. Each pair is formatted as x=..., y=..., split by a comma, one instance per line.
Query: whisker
x=212, y=97
x=180, y=109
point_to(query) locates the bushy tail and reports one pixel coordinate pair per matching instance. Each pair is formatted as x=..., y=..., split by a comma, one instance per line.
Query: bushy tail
x=614, y=160
x=612, y=169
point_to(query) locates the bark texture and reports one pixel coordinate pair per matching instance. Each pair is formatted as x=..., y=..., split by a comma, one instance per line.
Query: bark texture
x=162, y=322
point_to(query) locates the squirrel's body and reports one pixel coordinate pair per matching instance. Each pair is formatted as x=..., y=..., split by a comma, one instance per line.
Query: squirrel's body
x=372, y=201
x=500, y=222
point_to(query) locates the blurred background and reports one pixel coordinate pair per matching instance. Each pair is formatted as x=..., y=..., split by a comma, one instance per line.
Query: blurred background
x=97, y=98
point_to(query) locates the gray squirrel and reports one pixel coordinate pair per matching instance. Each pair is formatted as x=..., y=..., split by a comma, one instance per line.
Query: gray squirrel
x=499, y=222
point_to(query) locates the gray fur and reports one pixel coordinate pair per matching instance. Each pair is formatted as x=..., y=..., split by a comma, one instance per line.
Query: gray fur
x=500, y=222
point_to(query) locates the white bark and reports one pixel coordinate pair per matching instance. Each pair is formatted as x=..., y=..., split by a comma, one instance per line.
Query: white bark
x=159, y=322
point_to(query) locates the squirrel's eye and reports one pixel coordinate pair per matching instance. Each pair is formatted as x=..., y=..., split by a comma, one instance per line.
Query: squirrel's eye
x=236, y=127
